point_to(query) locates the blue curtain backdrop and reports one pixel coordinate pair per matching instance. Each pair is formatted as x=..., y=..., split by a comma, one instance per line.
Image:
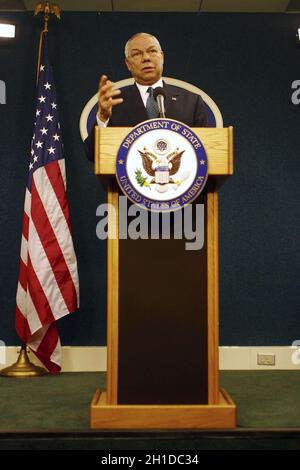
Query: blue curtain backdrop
x=246, y=63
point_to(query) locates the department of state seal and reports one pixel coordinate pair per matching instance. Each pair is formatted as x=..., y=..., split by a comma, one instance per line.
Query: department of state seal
x=161, y=165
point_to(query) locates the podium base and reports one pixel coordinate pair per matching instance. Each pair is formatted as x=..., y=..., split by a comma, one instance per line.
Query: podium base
x=220, y=416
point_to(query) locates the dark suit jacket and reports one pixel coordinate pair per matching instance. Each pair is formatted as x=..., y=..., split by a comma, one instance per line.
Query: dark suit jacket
x=180, y=104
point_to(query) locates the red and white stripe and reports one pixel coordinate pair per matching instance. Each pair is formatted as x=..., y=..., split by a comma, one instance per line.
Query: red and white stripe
x=48, y=286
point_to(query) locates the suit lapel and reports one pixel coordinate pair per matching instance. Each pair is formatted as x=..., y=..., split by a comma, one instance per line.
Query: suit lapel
x=172, y=102
x=137, y=110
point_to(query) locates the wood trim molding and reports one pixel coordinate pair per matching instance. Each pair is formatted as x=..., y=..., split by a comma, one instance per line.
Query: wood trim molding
x=212, y=297
x=112, y=294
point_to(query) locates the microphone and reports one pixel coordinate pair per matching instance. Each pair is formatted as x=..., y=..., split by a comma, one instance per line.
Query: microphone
x=160, y=95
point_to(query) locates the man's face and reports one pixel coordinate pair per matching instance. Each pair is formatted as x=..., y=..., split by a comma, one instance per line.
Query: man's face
x=145, y=60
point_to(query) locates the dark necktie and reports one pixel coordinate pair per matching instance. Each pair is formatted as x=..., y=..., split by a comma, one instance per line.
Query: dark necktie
x=151, y=105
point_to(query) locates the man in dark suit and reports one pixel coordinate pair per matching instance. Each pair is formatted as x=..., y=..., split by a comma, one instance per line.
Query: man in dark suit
x=132, y=105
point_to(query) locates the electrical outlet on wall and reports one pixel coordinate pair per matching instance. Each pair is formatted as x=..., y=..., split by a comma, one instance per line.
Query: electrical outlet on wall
x=265, y=359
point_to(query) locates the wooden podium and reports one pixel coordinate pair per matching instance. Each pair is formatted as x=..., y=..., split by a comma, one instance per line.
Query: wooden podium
x=163, y=312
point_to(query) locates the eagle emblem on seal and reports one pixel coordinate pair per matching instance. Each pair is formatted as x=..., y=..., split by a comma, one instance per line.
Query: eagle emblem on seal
x=161, y=166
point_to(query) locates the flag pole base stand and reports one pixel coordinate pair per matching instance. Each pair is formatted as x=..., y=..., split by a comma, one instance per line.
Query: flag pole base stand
x=23, y=367
x=218, y=416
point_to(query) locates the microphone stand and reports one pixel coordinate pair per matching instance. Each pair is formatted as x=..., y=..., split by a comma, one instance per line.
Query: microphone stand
x=159, y=96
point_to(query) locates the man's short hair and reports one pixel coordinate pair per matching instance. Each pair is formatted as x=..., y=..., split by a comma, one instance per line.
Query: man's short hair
x=134, y=36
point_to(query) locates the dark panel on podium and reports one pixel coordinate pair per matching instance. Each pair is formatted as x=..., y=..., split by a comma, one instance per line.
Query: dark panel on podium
x=162, y=321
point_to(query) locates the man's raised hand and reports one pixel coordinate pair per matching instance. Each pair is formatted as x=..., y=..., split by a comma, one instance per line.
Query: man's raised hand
x=107, y=98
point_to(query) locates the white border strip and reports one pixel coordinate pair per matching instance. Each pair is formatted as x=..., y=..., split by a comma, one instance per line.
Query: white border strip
x=170, y=81
x=93, y=359
x=74, y=358
x=245, y=358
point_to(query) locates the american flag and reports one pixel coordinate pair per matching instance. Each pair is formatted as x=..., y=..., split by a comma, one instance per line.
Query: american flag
x=48, y=286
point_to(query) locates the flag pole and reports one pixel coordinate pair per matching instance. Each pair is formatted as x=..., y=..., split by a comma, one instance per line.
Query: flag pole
x=23, y=367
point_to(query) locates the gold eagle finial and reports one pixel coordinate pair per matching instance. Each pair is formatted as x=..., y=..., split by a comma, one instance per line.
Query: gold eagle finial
x=48, y=9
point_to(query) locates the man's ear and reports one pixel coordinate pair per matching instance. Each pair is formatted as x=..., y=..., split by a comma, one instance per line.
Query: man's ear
x=128, y=64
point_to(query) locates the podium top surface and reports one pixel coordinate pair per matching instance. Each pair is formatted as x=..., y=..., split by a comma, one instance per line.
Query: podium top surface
x=218, y=144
